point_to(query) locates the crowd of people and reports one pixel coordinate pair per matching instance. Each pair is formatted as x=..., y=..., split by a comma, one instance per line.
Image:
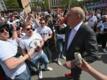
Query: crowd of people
x=32, y=41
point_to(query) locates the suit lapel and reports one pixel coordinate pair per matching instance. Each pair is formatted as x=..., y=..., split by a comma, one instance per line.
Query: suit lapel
x=76, y=37
x=66, y=38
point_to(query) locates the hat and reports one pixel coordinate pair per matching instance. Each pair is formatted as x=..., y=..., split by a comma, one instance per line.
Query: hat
x=2, y=25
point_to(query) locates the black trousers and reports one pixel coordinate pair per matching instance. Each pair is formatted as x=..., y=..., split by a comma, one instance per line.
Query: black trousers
x=76, y=72
x=102, y=38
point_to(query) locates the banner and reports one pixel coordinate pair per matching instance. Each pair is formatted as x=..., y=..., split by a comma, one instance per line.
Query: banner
x=26, y=6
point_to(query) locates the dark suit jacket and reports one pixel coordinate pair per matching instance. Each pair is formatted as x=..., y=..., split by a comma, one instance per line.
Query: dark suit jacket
x=84, y=42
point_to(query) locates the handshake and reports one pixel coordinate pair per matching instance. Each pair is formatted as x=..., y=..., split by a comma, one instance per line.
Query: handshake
x=76, y=62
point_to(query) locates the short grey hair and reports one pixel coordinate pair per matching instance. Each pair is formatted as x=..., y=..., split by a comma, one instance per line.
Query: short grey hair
x=79, y=11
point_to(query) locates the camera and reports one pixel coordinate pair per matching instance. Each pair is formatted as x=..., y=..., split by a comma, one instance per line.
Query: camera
x=78, y=58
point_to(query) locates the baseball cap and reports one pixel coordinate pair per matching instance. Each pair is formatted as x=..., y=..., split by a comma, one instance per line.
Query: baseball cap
x=4, y=26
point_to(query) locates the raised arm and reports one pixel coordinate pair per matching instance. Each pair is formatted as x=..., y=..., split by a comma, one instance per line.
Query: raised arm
x=14, y=33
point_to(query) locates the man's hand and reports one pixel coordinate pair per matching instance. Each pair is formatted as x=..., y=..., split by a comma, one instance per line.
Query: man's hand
x=84, y=65
x=38, y=49
x=69, y=64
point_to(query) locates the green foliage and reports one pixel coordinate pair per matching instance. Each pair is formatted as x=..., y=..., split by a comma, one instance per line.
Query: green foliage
x=11, y=4
x=95, y=0
x=68, y=3
x=65, y=3
x=46, y=4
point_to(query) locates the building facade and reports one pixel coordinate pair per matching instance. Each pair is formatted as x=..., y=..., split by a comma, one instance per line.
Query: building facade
x=97, y=4
x=55, y=3
x=2, y=6
x=51, y=3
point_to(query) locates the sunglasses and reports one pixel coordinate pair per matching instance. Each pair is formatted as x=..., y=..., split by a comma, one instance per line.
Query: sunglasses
x=3, y=30
x=18, y=28
x=42, y=23
x=28, y=29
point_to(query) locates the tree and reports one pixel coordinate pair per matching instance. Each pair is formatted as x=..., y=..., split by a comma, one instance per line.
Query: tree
x=11, y=4
x=69, y=3
x=65, y=3
x=46, y=4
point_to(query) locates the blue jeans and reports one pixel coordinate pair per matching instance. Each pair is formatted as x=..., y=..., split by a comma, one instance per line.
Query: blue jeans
x=41, y=58
x=60, y=45
x=24, y=76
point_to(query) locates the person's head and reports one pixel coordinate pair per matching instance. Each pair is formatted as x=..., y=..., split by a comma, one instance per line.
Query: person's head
x=42, y=22
x=4, y=32
x=92, y=13
x=74, y=16
x=104, y=18
x=28, y=30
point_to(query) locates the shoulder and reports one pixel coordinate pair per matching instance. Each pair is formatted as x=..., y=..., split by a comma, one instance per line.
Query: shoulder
x=86, y=29
x=23, y=40
x=24, y=37
x=36, y=35
x=6, y=50
x=2, y=44
x=48, y=28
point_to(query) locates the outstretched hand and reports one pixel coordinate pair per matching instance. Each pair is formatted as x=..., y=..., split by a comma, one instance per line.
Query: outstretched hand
x=84, y=65
x=69, y=64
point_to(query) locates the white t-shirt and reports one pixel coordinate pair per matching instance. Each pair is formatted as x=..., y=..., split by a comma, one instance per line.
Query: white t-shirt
x=26, y=42
x=45, y=31
x=8, y=49
x=92, y=21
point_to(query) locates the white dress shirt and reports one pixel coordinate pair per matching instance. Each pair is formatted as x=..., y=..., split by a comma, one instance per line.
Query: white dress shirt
x=73, y=33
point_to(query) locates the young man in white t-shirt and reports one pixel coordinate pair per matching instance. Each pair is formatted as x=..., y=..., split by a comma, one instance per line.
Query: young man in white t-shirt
x=13, y=65
x=44, y=31
x=33, y=40
x=46, y=34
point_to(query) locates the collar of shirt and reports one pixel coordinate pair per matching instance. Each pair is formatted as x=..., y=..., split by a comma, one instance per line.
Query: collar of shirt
x=78, y=26
x=73, y=33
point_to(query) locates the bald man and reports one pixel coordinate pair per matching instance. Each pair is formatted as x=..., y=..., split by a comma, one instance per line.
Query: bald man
x=79, y=38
